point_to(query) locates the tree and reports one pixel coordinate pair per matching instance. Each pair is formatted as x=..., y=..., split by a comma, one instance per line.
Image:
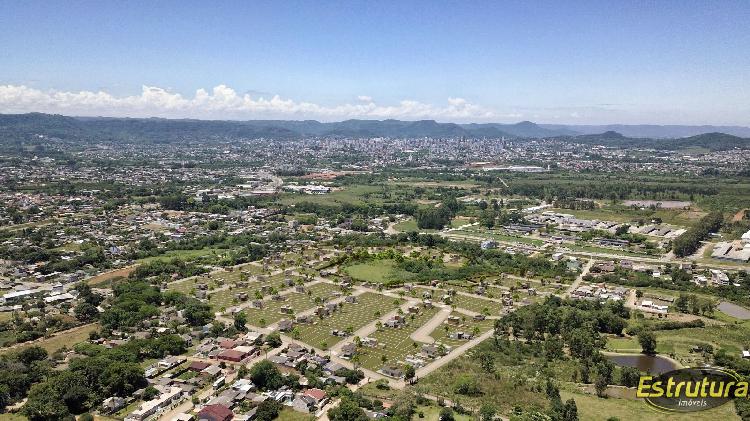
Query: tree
x=409, y=373
x=629, y=376
x=446, y=414
x=31, y=354
x=347, y=410
x=487, y=412
x=85, y=312
x=268, y=410
x=265, y=375
x=570, y=410
x=44, y=404
x=149, y=393
x=240, y=319
x=197, y=313
x=487, y=362
x=273, y=339
x=122, y=378
x=648, y=341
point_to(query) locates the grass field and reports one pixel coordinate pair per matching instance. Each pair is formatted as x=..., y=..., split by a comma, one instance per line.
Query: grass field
x=432, y=413
x=289, y=414
x=395, y=343
x=477, y=305
x=383, y=271
x=65, y=339
x=354, y=316
x=592, y=408
x=467, y=325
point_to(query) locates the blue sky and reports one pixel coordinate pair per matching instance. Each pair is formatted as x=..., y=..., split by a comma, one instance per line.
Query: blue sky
x=672, y=62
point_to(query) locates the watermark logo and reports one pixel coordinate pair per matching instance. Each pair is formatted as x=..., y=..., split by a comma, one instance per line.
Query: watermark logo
x=691, y=389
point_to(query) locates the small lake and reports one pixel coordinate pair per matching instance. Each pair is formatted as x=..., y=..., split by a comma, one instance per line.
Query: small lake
x=653, y=364
x=734, y=310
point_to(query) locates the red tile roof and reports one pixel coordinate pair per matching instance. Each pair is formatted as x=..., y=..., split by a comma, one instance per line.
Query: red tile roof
x=215, y=413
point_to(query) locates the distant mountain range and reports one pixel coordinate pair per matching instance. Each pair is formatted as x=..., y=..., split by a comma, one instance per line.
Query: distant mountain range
x=161, y=130
x=651, y=131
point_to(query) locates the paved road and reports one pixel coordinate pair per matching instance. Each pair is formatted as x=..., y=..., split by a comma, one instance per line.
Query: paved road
x=423, y=333
x=584, y=272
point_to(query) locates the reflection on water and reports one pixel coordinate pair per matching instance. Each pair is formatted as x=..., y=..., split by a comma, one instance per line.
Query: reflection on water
x=654, y=364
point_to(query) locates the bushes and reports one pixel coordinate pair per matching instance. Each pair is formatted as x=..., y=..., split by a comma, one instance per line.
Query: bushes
x=687, y=243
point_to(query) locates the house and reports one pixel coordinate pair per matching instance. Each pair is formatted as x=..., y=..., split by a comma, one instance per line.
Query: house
x=394, y=372
x=113, y=404
x=149, y=408
x=198, y=366
x=369, y=342
x=304, y=404
x=719, y=278
x=211, y=371
x=348, y=350
x=431, y=351
x=319, y=396
x=232, y=355
x=215, y=413
x=286, y=325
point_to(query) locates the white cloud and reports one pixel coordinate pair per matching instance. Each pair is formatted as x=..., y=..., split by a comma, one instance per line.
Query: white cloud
x=223, y=102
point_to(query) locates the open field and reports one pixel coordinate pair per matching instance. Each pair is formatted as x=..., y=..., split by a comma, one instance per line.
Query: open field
x=592, y=408
x=104, y=278
x=289, y=414
x=432, y=413
x=353, y=194
x=395, y=343
x=350, y=316
x=60, y=340
x=378, y=271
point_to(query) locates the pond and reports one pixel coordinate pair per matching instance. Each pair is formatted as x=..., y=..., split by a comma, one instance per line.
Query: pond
x=734, y=310
x=654, y=364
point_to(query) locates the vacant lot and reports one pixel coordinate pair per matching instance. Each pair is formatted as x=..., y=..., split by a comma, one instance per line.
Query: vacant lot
x=60, y=340
x=103, y=278
x=592, y=408
x=381, y=271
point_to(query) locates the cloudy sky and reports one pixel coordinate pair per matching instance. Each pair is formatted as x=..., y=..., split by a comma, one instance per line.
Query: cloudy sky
x=667, y=62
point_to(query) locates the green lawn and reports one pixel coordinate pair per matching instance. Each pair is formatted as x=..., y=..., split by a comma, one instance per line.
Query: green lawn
x=289, y=414
x=382, y=271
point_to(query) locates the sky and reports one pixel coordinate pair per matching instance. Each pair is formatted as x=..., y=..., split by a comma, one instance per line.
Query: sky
x=582, y=62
